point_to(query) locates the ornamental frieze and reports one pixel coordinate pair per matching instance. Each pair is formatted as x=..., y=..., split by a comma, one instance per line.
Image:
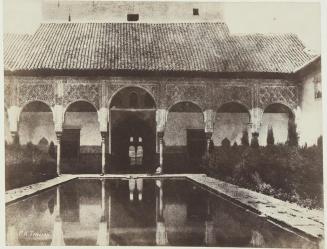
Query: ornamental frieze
x=81, y=91
x=36, y=92
x=287, y=95
x=239, y=94
x=153, y=89
x=186, y=92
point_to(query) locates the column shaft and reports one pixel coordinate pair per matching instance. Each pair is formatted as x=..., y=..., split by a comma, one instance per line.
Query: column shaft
x=59, y=135
x=103, y=152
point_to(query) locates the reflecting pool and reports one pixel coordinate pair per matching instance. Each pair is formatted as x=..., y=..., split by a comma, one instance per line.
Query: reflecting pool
x=172, y=212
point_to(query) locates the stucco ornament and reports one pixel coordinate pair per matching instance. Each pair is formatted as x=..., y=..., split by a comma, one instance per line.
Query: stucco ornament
x=209, y=120
x=287, y=95
x=31, y=92
x=186, y=92
x=79, y=91
x=103, y=115
x=256, y=119
x=240, y=94
x=13, y=118
x=58, y=117
x=161, y=119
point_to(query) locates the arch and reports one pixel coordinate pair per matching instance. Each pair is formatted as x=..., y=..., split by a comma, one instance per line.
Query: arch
x=79, y=101
x=119, y=90
x=32, y=102
x=34, y=122
x=279, y=108
x=276, y=116
x=133, y=100
x=233, y=107
x=183, y=104
x=232, y=118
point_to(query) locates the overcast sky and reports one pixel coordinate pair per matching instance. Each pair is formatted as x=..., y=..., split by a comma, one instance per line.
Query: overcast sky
x=303, y=19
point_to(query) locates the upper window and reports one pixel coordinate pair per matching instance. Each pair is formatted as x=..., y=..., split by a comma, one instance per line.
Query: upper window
x=195, y=12
x=132, y=17
x=133, y=100
x=317, y=86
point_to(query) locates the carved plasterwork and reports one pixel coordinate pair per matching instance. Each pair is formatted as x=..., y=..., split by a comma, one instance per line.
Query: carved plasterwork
x=186, y=92
x=82, y=91
x=228, y=93
x=35, y=91
x=287, y=95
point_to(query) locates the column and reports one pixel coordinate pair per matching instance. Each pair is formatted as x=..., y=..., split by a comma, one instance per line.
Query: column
x=13, y=119
x=102, y=238
x=209, y=119
x=161, y=119
x=160, y=137
x=103, y=115
x=59, y=136
x=161, y=231
x=256, y=119
x=103, y=152
x=58, y=118
x=57, y=235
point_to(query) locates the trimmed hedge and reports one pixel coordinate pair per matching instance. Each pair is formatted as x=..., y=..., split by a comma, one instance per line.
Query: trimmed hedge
x=26, y=165
x=285, y=172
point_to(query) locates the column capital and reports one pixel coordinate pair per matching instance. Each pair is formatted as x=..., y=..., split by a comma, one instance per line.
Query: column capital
x=13, y=118
x=58, y=117
x=103, y=118
x=209, y=120
x=255, y=119
x=161, y=119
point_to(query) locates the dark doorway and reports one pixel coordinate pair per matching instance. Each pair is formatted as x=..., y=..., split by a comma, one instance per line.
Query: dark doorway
x=70, y=149
x=196, y=145
x=133, y=131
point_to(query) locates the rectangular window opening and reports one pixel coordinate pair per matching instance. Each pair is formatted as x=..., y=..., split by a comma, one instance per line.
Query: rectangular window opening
x=195, y=12
x=132, y=17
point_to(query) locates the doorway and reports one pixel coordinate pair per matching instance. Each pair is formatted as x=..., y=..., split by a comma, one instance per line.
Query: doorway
x=133, y=144
x=196, y=146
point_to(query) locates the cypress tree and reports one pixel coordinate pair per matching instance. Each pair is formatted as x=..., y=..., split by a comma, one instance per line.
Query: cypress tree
x=292, y=136
x=245, y=138
x=270, y=136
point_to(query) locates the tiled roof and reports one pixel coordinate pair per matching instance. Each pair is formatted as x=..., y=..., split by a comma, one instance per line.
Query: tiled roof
x=199, y=47
x=14, y=49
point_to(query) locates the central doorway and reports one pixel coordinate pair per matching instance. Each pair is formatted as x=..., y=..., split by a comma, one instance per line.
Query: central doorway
x=133, y=131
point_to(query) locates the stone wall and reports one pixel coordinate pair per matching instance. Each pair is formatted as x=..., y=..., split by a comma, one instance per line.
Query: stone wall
x=310, y=124
x=116, y=11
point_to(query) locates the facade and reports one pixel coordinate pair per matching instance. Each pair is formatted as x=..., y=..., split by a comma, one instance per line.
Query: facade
x=96, y=89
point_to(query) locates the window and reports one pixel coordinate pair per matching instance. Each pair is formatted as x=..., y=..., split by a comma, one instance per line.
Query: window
x=317, y=86
x=132, y=17
x=133, y=100
x=195, y=12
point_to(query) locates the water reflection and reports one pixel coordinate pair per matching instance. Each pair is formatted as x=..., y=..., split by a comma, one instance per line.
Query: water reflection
x=138, y=212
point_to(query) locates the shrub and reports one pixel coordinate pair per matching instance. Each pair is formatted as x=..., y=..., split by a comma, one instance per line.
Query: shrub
x=254, y=140
x=245, y=138
x=282, y=171
x=225, y=143
x=52, y=151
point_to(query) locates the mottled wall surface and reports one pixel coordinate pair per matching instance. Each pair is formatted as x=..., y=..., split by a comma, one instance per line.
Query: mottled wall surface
x=88, y=122
x=115, y=11
x=310, y=124
x=33, y=126
x=178, y=123
x=8, y=137
x=230, y=126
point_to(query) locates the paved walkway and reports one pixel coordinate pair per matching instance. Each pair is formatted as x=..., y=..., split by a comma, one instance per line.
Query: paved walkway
x=309, y=222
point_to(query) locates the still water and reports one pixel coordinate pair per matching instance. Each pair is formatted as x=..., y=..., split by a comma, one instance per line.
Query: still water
x=139, y=212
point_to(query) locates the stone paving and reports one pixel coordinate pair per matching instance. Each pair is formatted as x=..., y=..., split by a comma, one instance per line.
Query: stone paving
x=309, y=222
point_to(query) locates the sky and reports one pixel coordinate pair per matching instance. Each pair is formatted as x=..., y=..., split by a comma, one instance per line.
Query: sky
x=301, y=18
